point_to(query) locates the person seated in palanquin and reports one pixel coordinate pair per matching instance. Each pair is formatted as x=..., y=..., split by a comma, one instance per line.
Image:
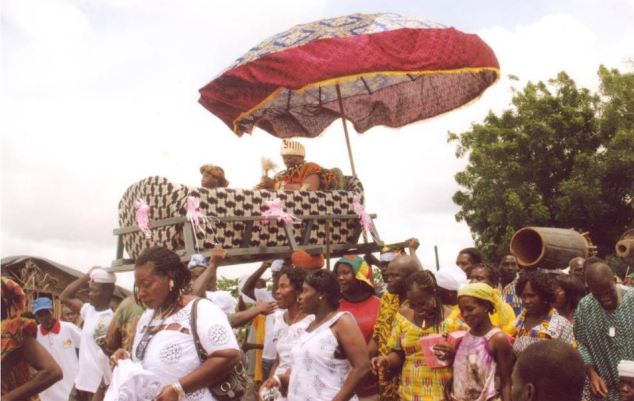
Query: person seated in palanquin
x=299, y=174
x=213, y=177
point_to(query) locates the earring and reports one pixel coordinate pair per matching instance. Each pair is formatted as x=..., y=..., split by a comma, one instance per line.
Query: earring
x=321, y=297
x=171, y=285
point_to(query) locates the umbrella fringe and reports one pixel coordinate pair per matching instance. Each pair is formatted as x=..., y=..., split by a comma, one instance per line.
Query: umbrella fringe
x=338, y=80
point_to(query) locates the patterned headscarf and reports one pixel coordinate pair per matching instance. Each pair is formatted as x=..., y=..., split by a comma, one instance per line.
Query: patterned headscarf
x=13, y=297
x=487, y=293
x=217, y=172
x=362, y=271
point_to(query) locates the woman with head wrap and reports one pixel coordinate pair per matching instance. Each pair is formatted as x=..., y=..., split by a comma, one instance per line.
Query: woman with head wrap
x=484, y=353
x=357, y=292
x=21, y=353
x=212, y=177
x=503, y=317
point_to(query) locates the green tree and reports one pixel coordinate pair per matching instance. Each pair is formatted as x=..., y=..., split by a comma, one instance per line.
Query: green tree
x=228, y=284
x=561, y=156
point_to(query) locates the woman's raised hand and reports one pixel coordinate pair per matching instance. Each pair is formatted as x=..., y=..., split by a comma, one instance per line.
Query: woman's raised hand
x=217, y=255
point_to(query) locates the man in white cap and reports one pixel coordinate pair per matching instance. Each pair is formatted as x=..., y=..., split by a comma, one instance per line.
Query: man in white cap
x=61, y=340
x=100, y=290
x=626, y=380
x=299, y=175
x=449, y=279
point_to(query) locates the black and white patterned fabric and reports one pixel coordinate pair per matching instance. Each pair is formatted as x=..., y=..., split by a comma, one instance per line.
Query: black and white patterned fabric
x=169, y=200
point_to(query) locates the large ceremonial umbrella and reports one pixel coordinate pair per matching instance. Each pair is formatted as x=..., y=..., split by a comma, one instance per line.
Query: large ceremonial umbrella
x=381, y=69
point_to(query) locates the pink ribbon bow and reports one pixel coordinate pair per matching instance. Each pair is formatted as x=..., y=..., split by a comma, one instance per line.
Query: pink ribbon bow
x=275, y=211
x=364, y=217
x=142, y=216
x=194, y=215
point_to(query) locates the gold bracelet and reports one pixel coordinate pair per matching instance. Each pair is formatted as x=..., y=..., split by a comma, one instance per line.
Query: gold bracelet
x=179, y=389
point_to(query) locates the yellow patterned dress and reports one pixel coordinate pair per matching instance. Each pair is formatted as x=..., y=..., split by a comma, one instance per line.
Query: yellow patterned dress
x=418, y=381
x=388, y=385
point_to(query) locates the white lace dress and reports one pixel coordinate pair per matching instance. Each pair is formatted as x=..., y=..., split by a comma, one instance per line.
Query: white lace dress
x=285, y=337
x=316, y=375
x=171, y=354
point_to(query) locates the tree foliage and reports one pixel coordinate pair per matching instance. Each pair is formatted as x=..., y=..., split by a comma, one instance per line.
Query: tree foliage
x=228, y=284
x=561, y=156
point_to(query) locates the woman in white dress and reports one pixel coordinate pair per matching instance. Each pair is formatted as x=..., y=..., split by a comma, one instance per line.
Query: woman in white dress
x=290, y=324
x=163, y=342
x=331, y=358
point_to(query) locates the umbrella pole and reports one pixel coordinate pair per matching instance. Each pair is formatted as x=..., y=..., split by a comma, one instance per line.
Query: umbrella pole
x=345, y=130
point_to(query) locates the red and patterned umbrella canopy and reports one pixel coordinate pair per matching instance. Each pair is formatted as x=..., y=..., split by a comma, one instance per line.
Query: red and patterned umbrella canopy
x=391, y=70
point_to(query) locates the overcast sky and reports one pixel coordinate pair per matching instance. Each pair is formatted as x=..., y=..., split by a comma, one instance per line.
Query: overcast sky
x=97, y=95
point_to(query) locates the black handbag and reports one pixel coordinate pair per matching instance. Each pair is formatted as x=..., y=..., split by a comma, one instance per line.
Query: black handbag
x=237, y=384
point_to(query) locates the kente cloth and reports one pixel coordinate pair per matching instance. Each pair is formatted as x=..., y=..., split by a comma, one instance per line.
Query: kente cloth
x=455, y=321
x=554, y=326
x=606, y=337
x=474, y=368
x=390, y=303
x=14, y=331
x=510, y=296
x=297, y=175
x=360, y=268
x=418, y=381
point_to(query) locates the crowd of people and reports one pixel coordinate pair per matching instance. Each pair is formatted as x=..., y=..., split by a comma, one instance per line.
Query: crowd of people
x=473, y=331
x=371, y=329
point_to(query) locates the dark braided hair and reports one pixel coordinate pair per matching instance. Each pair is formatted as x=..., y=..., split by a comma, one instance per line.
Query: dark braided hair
x=166, y=263
x=426, y=281
x=295, y=276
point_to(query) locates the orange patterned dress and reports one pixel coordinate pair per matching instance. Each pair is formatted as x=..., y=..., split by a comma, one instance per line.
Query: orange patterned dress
x=14, y=330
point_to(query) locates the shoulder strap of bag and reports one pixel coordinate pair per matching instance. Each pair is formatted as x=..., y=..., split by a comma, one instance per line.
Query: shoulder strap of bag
x=202, y=354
